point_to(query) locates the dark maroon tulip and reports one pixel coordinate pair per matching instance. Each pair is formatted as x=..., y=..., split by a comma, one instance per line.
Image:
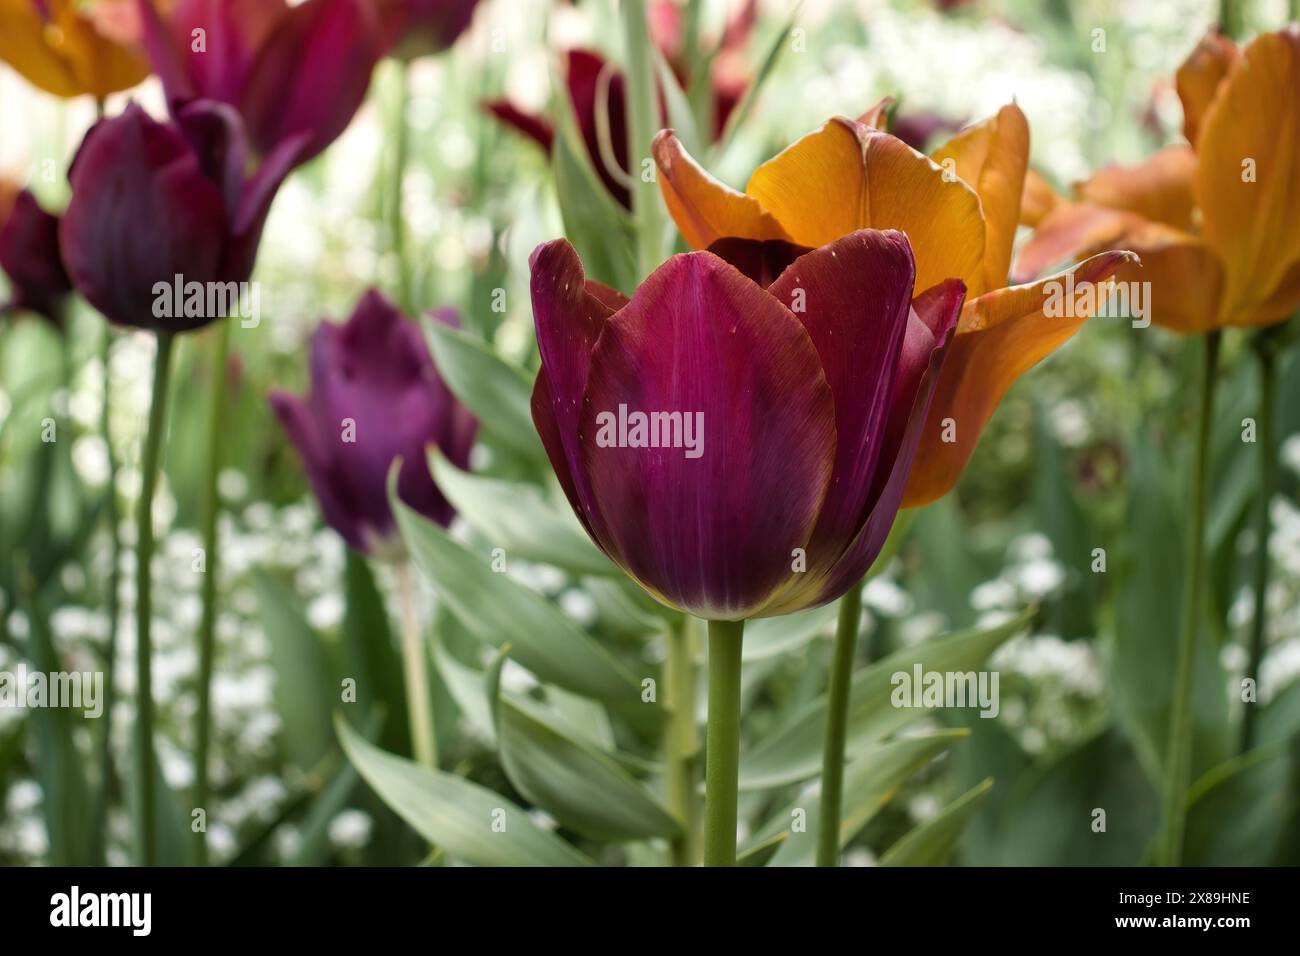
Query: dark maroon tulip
x=917, y=129
x=29, y=255
x=808, y=396
x=287, y=70
x=415, y=28
x=375, y=395
x=152, y=201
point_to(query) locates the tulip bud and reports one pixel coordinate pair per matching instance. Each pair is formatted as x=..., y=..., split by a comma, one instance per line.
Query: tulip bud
x=415, y=28
x=29, y=255
x=155, y=203
x=375, y=396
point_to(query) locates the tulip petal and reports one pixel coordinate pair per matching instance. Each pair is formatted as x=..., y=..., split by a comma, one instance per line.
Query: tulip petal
x=142, y=212
x=232, y=32
x=1249, y=151
x=1002, y=335
x=536, y=128
x=584, y=74
x=100, y=66
x=993, y=157
x=1159, y=189
x=712, y=534
x=1037, y=200
x=29, y=254
x=569, y=317
x=762, y=260
x=704, y=209
x=853, y=296
x=1199, y=77
x=301, y=427
x=846, y=177
x=23, y=46
x=311, y=74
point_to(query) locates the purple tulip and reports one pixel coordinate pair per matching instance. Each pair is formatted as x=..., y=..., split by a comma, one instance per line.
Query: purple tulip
x=799, y=403
x=29, y=255
x=152, y=201
x=287, y=70
x=375, y=395
x=414, y=28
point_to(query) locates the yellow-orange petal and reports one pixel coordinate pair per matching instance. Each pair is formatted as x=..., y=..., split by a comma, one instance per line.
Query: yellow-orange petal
x=1159, y=188
x=704, y=209
x=1001, y=336
x=993, y=156
x=24, y=46
x=99, y=65
x=1037, y=199
x=1070, y=232
x=846, y=176
x=1248, y=181
x=877, y=114
x=1199, y=77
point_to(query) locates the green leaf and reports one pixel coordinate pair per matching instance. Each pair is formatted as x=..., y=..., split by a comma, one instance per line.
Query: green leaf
x=870, y=781
x=516, y=517
x=465, y=684
x=681, y=118
x=497, y=392
x=454, y=814
x=371, y=656
x=794, y=751
x=583, y=788
x=1237, y=810
x=761, y=854
x=599, y=228
x=771, y=636
x=304, y=693
x=738, y=116
x=932, y=843
x=495, y=609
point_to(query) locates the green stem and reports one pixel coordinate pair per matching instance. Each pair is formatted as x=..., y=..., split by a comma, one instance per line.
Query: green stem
x=211, y=553
x=145, y=836
x=419, y=702
x=1178, y=755
x=396, y=222
x=1232, y=18
x=681, y=740
x=111, y=606
x=837, y=717
x=722, y=743
x=643, y=124
x=1267, y=482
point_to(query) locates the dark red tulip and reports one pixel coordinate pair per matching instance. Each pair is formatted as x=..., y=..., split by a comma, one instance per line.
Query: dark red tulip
x=152, y=201
x=375, y=395
x=29, y=255
x=414, y=28
x=918, y=129
x=288, y=70
x=800, y=400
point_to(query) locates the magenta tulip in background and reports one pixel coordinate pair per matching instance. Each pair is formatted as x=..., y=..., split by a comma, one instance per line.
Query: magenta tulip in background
x=29, y=255
x=375, y=395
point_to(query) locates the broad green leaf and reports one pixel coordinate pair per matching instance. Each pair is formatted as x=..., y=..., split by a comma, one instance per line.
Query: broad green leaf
x=304, y=692
x=371, y=657
x=794, y=751
x=465, y=684
x=580, y=786
x=599, y=228
x=870, y=781
x=770, y=636
x=516, y=517
x=932, y=843
x=761, y=854
x=497, y=392
x=496, y=609
x=1237, y=811
x=469, y=822
x=622, y=608
x=680, y=116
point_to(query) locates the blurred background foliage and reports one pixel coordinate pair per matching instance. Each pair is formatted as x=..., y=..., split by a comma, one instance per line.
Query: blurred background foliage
x=1090, y=451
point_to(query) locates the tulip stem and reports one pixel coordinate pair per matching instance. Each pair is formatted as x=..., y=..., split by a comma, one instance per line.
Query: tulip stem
x=1267, y=356
x=419, y=707
x=722, y=742
x=211, y=553
x=681, y=740
x=643, y=124
x=397, y=223
x=145, y=835
x=837, y=716
x=1178, y=754
x=111, y=606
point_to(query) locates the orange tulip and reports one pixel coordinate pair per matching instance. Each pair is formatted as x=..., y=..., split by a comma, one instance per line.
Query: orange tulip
x=1214, y=219
x=67, y=49
x=960, y=212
